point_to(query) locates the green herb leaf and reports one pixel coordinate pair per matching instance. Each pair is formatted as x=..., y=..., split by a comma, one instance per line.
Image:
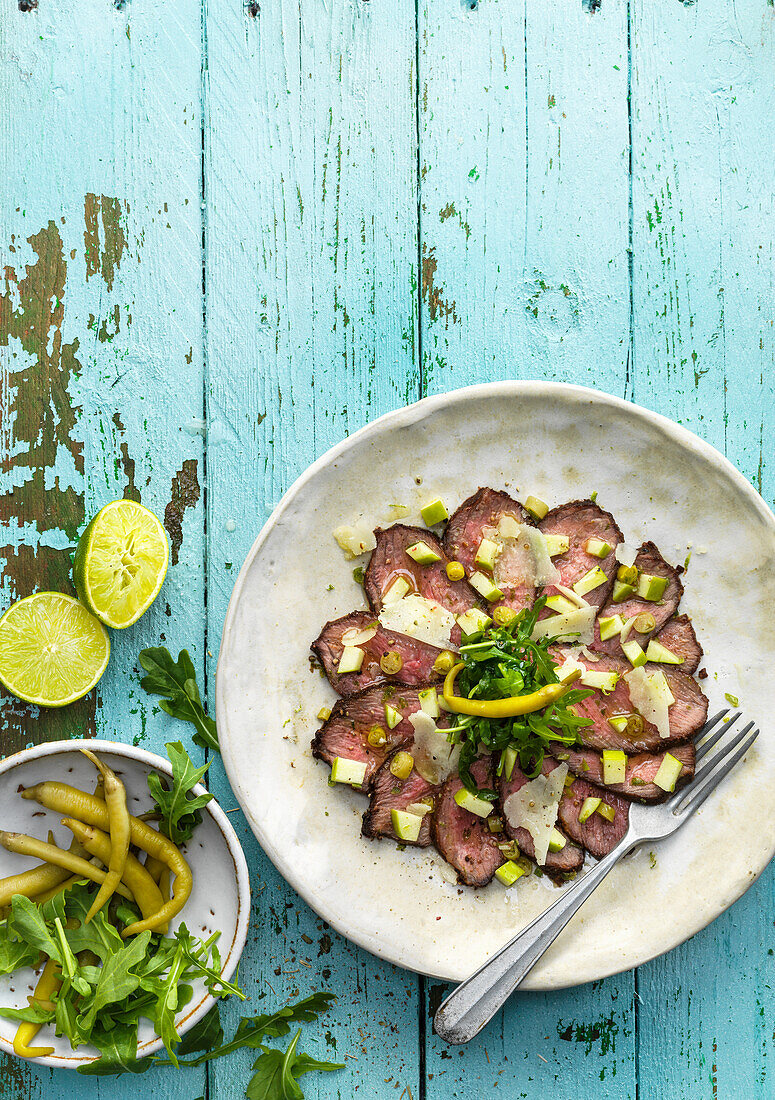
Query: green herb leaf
x=276, y=1072
x=175, y=681
x=180, y=814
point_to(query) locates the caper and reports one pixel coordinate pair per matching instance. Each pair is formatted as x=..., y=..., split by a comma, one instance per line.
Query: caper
x=391, y=662
x=376, y=737
x=504, y=615
x=644, y=622
x=455, y=571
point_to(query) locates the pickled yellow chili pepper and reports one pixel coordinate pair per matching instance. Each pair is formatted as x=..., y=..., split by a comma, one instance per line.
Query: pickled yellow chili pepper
x=146, y=892
x=30, y=846
x=85, y=807
x=504, y=708
x=48, y=984
x=118, y=819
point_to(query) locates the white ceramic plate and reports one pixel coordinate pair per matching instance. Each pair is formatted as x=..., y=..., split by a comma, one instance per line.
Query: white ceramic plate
x=560, y=443
x=220, y=899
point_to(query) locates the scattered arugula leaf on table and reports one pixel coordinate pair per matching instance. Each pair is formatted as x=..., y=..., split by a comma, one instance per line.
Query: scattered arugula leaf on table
x=180, y=814
x=175, y=681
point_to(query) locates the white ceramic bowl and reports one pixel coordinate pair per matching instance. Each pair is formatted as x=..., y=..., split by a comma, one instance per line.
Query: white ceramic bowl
x=220, y=899
x=560, y=443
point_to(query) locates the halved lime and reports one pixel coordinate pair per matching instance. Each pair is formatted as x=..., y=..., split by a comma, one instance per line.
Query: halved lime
x=52, y=650
x=120, y=562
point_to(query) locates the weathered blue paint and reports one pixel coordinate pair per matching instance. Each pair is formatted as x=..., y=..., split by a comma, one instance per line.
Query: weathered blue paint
x=279, y=221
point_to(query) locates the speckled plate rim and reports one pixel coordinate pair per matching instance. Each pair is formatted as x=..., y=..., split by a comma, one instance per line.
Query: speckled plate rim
x=230, y=958
x=404, y=417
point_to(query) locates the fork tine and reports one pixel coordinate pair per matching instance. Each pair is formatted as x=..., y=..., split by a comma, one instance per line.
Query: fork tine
x=711, y=722
x=706, y=746
x=695, y=798
x=724, y=751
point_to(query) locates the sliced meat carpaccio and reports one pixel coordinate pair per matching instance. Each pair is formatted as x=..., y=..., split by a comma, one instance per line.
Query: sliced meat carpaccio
x=346, y=731
x=568, y=859
x=465, y=531
x=462, y=838
x=596, y=834
x=389, y=560
x=388, y=793
x=650, y=561
x=687, y=714
x=638, y=783
x=418, y=657
x=678, y=636
x=582, y=520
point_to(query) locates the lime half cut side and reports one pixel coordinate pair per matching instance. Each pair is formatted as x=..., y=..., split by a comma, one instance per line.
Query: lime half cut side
x=52, y=650
x=120, y=562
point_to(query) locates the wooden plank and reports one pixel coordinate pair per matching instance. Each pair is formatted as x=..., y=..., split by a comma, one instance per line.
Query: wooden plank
x=524, y=169
x=704, y=354
x=311, y=331
x=101, y=347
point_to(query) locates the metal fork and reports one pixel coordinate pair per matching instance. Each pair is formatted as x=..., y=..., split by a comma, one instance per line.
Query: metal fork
x=473, y=1004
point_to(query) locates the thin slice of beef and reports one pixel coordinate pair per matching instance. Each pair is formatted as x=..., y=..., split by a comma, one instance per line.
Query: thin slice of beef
x=650, y=561
x=462, y=838
x=418, y=657
x=687, y=715
x=389, y=560
x=678, y=635
x=346, y=731
x=474, y=520
x=388, y=793
x=638, y=782
x=596, y=834
x=582, y=520
x=568, y=859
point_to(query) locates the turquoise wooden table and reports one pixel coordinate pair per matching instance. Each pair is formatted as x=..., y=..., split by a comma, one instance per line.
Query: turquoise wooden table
x=233, y=233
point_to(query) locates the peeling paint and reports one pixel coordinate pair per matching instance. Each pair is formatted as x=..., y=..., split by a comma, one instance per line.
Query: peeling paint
x=449, y=211
x=184, y=493
x=104, y=236
x=131, y=492
x=437, y=306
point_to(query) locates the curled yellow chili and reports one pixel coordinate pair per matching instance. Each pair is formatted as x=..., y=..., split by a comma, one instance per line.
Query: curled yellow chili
x=146, y=892
x=118, y=822
x=85, y=807
x=30, y=846
x=504, y=708
x=48, y=984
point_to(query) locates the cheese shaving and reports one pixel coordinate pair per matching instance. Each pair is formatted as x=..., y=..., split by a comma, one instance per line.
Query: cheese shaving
x=534, y=807
x=358, y=637
x=649, y=694
x=355, y=540
x=625, y=554
x=434, y=758
x=580, y=624
x=420, y=618
x=524, y=556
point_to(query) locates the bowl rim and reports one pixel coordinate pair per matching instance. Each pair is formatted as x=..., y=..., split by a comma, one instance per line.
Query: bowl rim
x=241, y=875
x=403, y=417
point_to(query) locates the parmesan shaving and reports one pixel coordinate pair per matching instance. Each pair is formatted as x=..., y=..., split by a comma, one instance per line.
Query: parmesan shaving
x=358, y=637
x=579, y=623
x=524, y=557
x=355, y=540
x=625, y=554
x=434, y=758
x=420, y=618
x=649, y=693
x=534, y=807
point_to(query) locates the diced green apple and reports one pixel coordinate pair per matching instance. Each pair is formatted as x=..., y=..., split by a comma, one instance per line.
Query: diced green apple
x=560, y=604
x=392, y=716
x=429, y=702
x=406, y=826
x=434, y=512
x=614, y=765
x=474, y=805
x=597, y=548
x=351, y=660
x=610, y=626
x=650, y=587
x=619, y=722
x=508, y=759
x=634, y=654
x=590, y=581
x=536, y=507
x=588, y=808
x=602, y=681
x=509, y=872
x=348, y=771
x=668, y=772
x=422, y=553
x=556, y=841
x=484, y=586
x=655, y=651
x=472, y=621
x=396, y=591
x=557, y=544
x=606, y=811
x=487, y=554
x=622, y=591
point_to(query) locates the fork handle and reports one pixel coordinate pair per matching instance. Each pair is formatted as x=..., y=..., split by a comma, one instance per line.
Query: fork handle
x=476, y=1000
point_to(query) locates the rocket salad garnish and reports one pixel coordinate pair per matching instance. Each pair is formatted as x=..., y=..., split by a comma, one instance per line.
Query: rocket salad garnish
x=500, y=663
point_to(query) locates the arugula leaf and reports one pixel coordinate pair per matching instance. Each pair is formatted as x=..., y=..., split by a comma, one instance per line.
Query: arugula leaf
x=14, y=952
x=180, y=814
x=252, y=1029
x=207, y=1034
x=175, y=681
x=28, y=923
x=118, y=1054
x=276, y=1072
x=116, y=980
